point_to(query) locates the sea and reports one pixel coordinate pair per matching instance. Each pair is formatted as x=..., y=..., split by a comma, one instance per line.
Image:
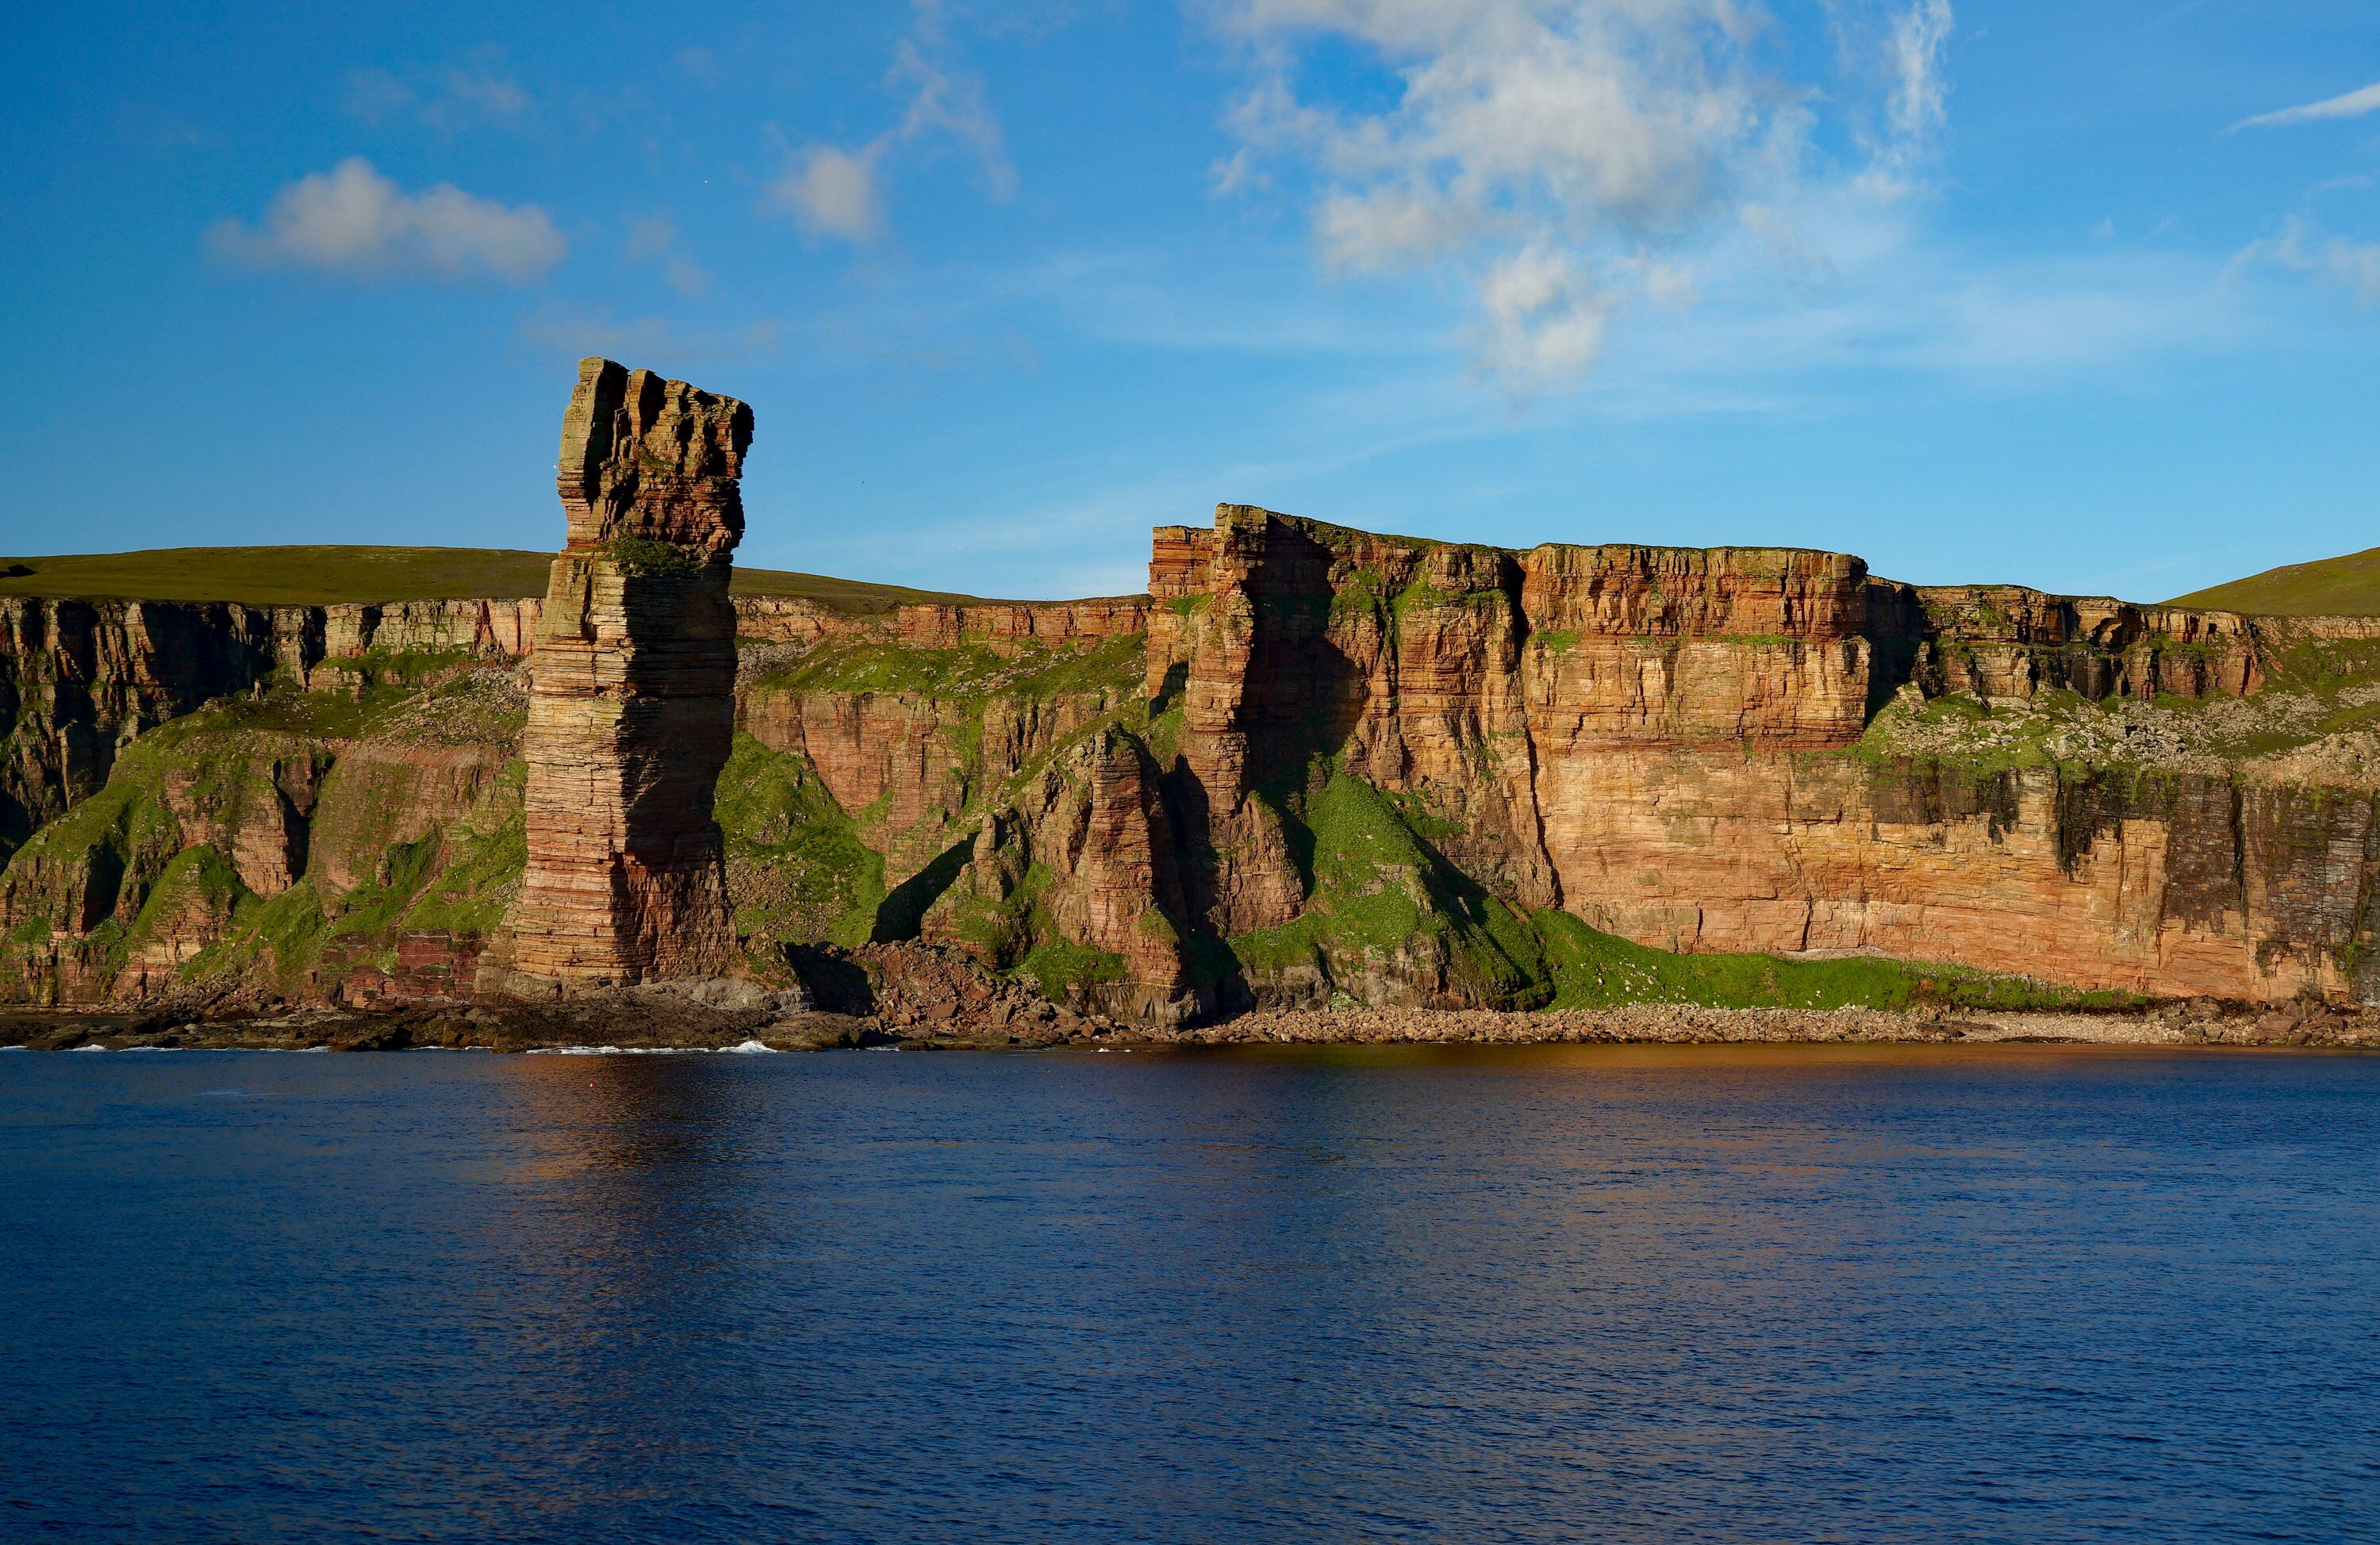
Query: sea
x=2036, y=1293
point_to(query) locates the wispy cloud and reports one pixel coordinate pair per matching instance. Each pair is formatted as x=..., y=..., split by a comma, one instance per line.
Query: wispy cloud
x=2353, y=104
x=1568, y=158
x=656, y=239
x=2300, y=249
x=1917, y=105
x=576, y=331
x=354, y=221
x=449, y=101
x=837, y=191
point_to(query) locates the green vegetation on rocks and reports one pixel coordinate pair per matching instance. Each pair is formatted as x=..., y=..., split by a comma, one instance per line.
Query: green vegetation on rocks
x=795, y=864
x=2320, y=704
x=1381, y=894
x=1114, y=667
x=1381, y=901
x=486, y=853
x=1064, y=971
x=647, y=559
x=1594, y=970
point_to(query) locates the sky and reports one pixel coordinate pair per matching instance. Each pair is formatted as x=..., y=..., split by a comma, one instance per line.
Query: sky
x=2085, y=297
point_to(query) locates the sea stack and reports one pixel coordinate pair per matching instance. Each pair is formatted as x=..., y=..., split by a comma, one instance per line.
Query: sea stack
x=632, y=688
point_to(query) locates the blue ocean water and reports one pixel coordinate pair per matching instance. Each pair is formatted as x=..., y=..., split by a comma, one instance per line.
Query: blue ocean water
x=1437, y=1294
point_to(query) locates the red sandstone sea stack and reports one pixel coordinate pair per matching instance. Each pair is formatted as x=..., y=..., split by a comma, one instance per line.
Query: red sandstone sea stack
x=632, y=698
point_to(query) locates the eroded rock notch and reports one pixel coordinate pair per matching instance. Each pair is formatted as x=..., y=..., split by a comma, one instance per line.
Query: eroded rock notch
x=632, y=704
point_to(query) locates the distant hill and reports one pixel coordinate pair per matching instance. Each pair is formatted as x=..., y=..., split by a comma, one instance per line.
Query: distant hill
x=329, y=575
x=2348, y=586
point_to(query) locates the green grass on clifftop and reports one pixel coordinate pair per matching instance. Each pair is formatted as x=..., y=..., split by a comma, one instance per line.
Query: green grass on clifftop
x=332, y=575
x=2348, y=586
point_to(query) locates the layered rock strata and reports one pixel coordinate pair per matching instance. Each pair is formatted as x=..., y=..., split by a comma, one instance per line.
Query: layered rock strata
x=80, y=680
x=632, y=688
x=1676, y=746
x=1314, y=766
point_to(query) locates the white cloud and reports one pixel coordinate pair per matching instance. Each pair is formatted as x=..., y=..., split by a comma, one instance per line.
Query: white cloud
x=834, y=192
x=1567, y=156
x=1544, y=320
x=2302, y=250
x=2354, y=104
x=352, y=219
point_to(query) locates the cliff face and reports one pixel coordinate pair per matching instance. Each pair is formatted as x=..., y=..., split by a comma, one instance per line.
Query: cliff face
x=632, y=688
x=1697, y=750
x=81, y=680
x=1313, y=766
x=287, y=843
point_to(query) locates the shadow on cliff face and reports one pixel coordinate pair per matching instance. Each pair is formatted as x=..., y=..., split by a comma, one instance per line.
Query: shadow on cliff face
x=838, y=984
x=902, y=915
x=1305, y=694
x=1169, y=690
x=1299, y=697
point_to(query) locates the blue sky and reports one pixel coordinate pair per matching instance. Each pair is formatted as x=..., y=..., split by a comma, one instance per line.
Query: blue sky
x=2085, y=297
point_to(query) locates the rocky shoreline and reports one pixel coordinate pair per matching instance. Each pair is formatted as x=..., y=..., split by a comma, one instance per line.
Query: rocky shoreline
x=721, y=1015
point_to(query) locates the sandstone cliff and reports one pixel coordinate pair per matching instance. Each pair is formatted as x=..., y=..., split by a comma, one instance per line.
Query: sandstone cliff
x=1690, y=749
x=80, y=680
x=1313, y=766
x=632, y=688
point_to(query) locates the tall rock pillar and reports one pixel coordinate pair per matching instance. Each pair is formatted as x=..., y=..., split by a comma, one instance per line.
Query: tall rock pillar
x=632, y=688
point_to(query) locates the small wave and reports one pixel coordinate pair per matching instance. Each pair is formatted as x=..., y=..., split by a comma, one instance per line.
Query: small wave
x=748, y=1048
x=579, y=1051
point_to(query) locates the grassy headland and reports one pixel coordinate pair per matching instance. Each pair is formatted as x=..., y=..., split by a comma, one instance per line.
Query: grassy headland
x=329, y=575
x=2346, y=587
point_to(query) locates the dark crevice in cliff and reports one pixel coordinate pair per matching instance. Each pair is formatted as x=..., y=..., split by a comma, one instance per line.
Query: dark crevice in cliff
x=2240, y=851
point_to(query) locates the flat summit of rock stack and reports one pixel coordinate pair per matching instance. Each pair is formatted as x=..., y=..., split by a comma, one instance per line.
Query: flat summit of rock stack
x=632, y=707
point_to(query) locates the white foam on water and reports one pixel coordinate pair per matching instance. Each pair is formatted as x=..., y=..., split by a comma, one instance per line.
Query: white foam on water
x=750, y=1048
x=90, y=1047
x=577, y=1051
